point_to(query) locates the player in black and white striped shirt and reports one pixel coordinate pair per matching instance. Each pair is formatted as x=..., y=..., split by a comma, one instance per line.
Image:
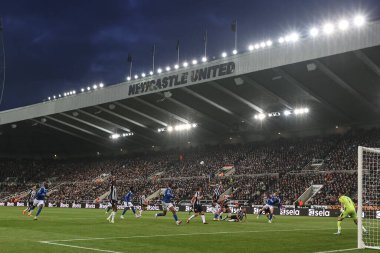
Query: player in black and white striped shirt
x=197, y=206
x=31, y=196
x=113, y=200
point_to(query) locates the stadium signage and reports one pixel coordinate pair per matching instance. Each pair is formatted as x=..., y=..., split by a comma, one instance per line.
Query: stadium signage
x=290, y=212
x=323, y=213
x=181, y=79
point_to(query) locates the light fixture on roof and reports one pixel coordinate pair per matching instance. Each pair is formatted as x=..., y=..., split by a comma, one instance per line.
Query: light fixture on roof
x=268, y=43
x=294, y=37
x=176, y=66
x=257, y=46
x=260, y=116
x=59, y=95
x=328, y=28
x=101, y=85
x=185, y=64
x=343, y=25
x=64, y=94
x=281, y=40
x=128, y=78
x=250, y=47
x=54, y=96
x=262, y=44
x=287, y=112
x=224, y=54
x=301, y=111
x=88, y=88
x=234, y=51
x=143, y=74
x=159, y=71
x=82, y=90
x=95, y=86
x=170, y=129
x=49, y=98
x=194, y=62
x=168, y=68
x=359, y=20
x=74, y=92
x=136, y=76
x=204, y=59
x=151, y=72
x=314, y=32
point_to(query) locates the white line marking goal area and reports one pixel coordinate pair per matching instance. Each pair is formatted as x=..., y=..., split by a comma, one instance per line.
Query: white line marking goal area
x=64, y=243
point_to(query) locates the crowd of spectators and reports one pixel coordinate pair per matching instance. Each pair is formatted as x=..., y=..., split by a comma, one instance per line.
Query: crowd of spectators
x=78, y=179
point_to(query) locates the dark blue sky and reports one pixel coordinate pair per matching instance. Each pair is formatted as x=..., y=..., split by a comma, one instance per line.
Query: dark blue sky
x=55, y=46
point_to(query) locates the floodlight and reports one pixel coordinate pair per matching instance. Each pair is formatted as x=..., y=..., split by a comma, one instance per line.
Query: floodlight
x=88, y=88
x=151, y=73
x=185, y=64
x=194, y=62
x=262, y=44
x=96, y=86
x=287, y=113
x=328, y=28
x=343, y=24
x=136, y=76
x=176, y=66
x=167, y=68
x=159, y=71
x=143, y=74
x=314, y=32
x=82, y=90
x=281, y=40
x=257, y=46
x=49, y=98
x=224, y=54
x=250, y=47
x=359, y=20
x=101, y=85
x=294, y=37
x=204, y=59
x=54, y=96
x=234, y=51
x=269, y=43
x=74, y=92
x=128, y=78
x=170, y=128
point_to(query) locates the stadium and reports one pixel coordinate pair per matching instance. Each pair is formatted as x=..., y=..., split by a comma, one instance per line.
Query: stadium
x=294, y=118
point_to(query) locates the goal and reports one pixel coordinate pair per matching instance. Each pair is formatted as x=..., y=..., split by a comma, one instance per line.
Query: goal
x=369, y=197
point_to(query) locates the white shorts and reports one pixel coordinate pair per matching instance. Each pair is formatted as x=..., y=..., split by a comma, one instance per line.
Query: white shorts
x=128, y=204
x=166, y=206
x=37, y=202
x=268, y=206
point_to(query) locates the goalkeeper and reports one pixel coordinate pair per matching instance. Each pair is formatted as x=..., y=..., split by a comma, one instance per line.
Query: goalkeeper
x=347, y=209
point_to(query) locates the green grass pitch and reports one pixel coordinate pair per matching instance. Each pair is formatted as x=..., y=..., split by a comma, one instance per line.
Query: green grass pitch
x=63, y=227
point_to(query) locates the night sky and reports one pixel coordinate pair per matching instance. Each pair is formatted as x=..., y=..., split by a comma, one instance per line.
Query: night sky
x=55, y=46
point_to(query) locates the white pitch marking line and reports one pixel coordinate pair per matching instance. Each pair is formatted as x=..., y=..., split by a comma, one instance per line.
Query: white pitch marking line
x=79, y=247
x=191, y=234
x=338, y=250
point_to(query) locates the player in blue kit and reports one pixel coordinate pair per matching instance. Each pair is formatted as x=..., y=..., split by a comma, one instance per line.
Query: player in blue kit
x=272, y=201
x=39, y=201
x=128, y=204
x=168, y=205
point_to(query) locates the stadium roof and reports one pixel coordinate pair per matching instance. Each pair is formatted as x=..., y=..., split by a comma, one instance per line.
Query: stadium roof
x=336, y=77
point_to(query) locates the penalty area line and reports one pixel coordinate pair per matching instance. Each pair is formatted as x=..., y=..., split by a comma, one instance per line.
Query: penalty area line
x=338, y=250
x=78, y=247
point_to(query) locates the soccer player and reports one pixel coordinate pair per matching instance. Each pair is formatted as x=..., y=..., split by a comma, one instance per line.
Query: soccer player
x=197, y=207
x=271, y=202
x=143, y=204
x=218, y=212
x=109, y=207
x=240, y=215
x=113, y=201
x=168, y=205
x=128, y=204
x=347, y=209
x=31, y=196
x=266, y=211
x=39, y=201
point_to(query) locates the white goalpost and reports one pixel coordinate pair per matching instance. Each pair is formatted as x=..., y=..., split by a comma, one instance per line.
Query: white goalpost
x=369, y=197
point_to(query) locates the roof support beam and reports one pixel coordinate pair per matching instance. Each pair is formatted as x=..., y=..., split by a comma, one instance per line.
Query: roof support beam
x=87, y=123
x=367, y=61
x=120, y=116
x=244, y=101
x=141, y=114
x=328, y=72
x=311, y=93
x=104, y=120
x=265, y=90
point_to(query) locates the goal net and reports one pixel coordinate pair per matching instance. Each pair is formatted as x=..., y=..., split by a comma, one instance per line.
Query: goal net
x=369, y=197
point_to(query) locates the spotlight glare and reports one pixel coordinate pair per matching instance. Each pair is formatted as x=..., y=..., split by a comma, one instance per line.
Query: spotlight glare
x=64, y=94
x=224, y=54
x=260, y=116
x=88, y=88
x=143, y=74
x=194, y=62
x=185, y=64
x=294, y=37
x=95, y=86
x=159, y=71
x=151, y=73
x=328, y=28
x=359, y=20
x=170, y=129
x=281, y=40
x=262, y=44
x=269, y=43
x=49, y=98
x=176, y=66
x=82, y=90
x=54, y=96
x=128, y=78
x=234, y=51
x=343, y=25
x=74, y=92
x=287, y=38
x=136, y=76
x=313, y=32
x=167, y=68
x=101, y=85
x=287, y=113
x=204, y=59
x=250, y=47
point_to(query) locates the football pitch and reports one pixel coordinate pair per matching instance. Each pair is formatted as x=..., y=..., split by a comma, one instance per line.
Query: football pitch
x=86, y=230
